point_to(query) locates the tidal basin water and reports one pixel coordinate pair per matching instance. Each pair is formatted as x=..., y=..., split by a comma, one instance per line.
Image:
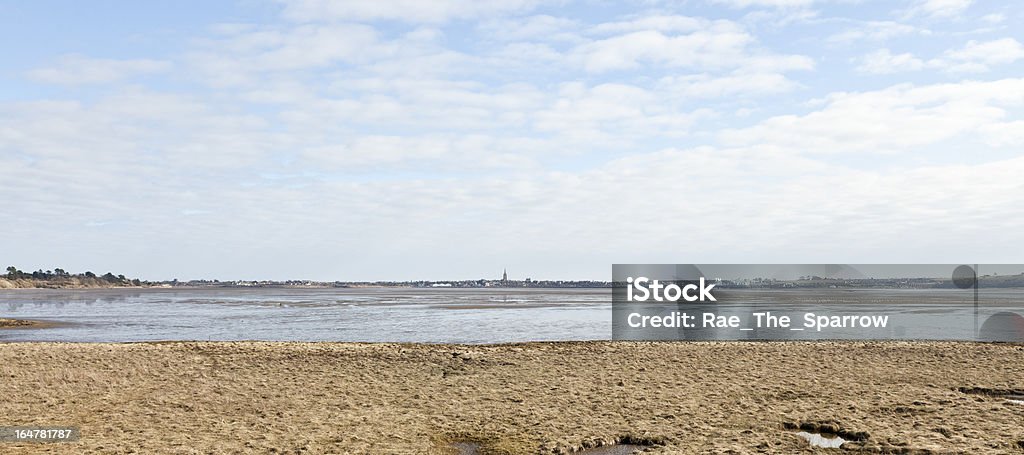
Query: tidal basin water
x=492, y=315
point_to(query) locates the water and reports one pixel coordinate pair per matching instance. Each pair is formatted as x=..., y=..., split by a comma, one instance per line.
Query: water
x=439, y=315
x=820, y=440
x=614, y=449
x=466, y=448
x=370, y=314
x=473, y=448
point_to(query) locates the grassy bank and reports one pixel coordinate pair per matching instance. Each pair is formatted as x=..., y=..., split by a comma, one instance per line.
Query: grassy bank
x=63, y=283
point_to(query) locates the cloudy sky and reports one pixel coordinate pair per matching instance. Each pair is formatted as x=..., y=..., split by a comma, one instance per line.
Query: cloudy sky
x=411, y=139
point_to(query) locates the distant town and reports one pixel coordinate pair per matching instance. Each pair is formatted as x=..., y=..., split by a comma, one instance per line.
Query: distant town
x=58, y=278
x=503, y=282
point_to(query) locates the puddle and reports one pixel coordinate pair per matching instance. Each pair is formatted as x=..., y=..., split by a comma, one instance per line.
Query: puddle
x=466, y=448
x=614, y=449
x=826, y=434
x=827, y=428
x=822, y=440
x=473, y=448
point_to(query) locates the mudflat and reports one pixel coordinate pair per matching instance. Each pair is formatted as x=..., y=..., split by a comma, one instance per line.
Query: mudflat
x=670, y=397
x=6, y=323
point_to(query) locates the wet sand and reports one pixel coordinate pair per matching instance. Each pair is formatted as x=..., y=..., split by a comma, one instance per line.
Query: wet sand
x=6, y=323
x=697, y=397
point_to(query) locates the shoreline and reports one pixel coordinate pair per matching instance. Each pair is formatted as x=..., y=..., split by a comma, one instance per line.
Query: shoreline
x=500, y=344
x=297, y=286
x=537, y=397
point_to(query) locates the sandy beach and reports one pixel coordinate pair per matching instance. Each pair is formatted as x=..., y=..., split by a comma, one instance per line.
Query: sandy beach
x=699, y=397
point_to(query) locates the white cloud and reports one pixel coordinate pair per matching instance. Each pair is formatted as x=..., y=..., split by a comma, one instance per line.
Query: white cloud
x=876, y=31
x=994, y=18
x=701, y=86
x=247, y=57
x=1004, y=134
x=411, y=104
x=533, y=28
x=767, y=3
x=715, y=45
x=654, y=22
x=632, y=50
x=137, y=128
x=235, y=58
x=939, y=8
x=435, y=11
x=898, y=118
x=472, y=152
x=981, y=56
x=612, y=112
x=79, y=69
x=883, y=61
x=973, y=57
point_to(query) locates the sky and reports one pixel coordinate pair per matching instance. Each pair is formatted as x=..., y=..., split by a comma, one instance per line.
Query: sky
x=451, y=139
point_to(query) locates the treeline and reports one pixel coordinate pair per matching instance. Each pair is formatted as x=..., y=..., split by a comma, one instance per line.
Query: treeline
x=61, y=275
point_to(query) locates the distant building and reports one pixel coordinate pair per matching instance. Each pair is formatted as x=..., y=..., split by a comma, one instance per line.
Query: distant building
x=504, y=277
